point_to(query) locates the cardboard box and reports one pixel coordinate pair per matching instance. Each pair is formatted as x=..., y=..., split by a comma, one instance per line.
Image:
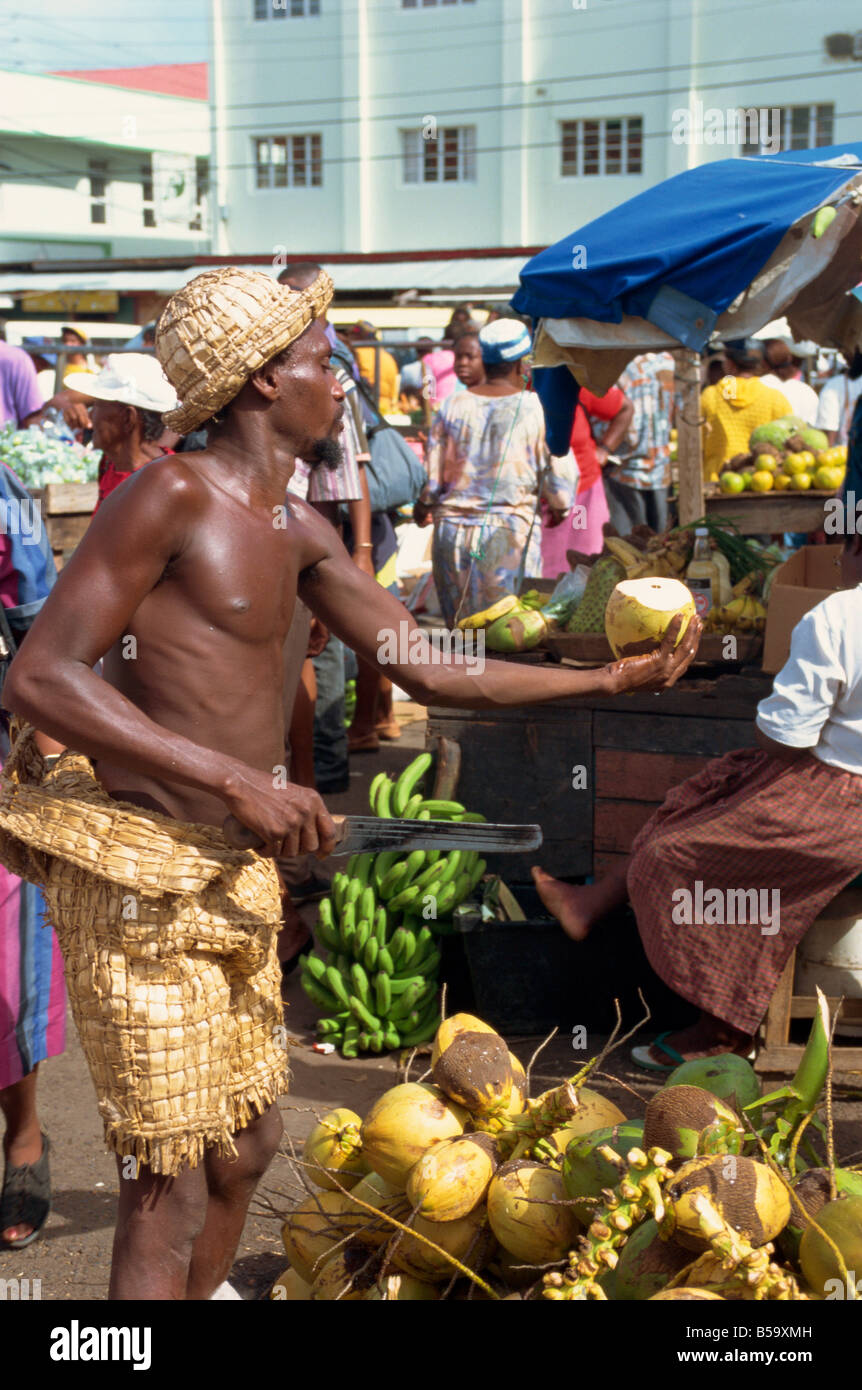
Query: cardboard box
x=808, y=577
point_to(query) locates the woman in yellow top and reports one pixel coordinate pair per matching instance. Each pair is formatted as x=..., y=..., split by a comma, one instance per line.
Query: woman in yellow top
x=736, y=405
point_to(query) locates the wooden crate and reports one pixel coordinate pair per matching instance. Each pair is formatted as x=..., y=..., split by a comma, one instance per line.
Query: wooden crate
x=518, y=765
x=768, y=513
x=66, y=512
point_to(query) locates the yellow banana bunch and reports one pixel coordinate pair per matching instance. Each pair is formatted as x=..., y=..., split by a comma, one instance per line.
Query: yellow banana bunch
x=671, y=556
x=490, y=615
x=743, y=614
x=635, y=563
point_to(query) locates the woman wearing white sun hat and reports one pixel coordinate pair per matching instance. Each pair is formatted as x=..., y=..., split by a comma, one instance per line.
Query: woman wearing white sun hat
x=129, y=395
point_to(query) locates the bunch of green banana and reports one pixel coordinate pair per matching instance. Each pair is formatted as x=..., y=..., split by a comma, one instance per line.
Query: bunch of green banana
x=426, y=882
x=374, y=972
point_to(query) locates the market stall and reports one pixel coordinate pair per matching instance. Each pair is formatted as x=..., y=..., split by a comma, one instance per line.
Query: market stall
x=771, y=236
x=61, y=478
x=720, y=250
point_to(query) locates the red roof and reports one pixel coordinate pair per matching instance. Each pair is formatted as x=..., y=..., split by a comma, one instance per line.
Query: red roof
x=170, y=79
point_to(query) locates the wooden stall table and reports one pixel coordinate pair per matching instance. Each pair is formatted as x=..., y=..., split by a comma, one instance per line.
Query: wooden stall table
x=592, y=770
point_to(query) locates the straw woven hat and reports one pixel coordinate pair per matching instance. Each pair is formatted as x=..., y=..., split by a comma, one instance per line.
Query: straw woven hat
x=221, y=327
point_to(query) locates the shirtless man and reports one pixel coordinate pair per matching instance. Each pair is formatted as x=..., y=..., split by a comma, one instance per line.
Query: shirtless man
x=197, y=558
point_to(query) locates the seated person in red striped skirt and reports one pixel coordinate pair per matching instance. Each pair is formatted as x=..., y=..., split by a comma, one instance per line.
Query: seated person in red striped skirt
x=728, y=875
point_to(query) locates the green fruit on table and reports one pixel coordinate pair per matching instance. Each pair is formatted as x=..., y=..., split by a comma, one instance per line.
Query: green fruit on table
x=517, y=632
x=796, y=463
x=589, y=616
x=762, y=481
x=800, y=482
x=731, y=482
x=829, y=478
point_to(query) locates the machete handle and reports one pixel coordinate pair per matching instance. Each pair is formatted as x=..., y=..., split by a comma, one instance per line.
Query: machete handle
x=241, y=836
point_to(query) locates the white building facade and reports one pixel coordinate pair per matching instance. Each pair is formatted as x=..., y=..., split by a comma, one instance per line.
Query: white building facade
x=89, y=170
x=381, y=125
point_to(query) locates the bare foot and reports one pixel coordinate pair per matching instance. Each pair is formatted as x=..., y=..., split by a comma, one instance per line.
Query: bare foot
x=575, y=906
x=707, y=1038
x=388, y=729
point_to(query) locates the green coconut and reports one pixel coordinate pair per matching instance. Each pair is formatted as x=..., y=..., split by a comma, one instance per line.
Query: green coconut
x=813, y=439
x=775, y=432
x=529, y=1214
x=473, y=1069
x=586, y=1172
x=452, y=1177
x=677, y=1116
x=464, y=1239
x=648, y=1263
x=373, y=1191
x=728, y=1076
x=312, y=1229
x=814, y=1190
x=347, y=1275
x=517, y=632
x=749, y=1196
x=841, y=1220
x=404, y=1122
x=594, y=1112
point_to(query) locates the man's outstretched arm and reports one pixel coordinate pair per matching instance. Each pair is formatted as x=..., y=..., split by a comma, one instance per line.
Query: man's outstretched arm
x=363, y=614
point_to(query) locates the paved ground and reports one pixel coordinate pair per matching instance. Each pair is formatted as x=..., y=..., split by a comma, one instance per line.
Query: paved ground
x=72, y=1259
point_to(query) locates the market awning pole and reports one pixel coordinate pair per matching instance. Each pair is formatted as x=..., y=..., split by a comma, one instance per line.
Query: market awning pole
x=688, y=442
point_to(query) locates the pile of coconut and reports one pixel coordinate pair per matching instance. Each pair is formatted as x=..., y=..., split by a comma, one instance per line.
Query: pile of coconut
x=461, y=1186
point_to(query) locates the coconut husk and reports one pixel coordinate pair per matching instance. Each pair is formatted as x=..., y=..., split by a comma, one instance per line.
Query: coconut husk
x=169, y=942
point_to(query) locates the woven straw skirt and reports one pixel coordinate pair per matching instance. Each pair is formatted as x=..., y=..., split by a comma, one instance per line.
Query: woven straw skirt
x=175, y=991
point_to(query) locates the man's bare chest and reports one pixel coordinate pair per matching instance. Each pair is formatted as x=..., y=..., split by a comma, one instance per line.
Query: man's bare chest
x=239, y=580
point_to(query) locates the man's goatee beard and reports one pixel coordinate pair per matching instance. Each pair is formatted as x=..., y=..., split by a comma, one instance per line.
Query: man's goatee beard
x=327, y=452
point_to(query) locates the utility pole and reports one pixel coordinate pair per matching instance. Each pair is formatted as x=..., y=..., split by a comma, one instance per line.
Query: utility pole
x=218, y=128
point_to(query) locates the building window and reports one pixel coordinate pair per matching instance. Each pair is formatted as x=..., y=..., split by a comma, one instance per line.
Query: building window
x=284, y=9
x=288, y=161
x=802, y=128
x=147, y=200
x=609, y=145
x=98, y=171
x=202, y=188
x=448, y=157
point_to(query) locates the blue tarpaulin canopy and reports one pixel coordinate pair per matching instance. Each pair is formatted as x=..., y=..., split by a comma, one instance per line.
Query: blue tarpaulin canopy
x=704, y=233
x=721, y=249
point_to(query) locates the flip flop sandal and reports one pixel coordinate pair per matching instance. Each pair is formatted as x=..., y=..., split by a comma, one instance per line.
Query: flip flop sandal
x=25, y=1199
x=641, y=1058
